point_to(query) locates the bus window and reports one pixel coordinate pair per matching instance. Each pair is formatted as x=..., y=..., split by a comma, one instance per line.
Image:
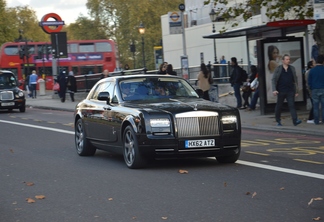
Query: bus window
x=85, y=70
x=103, y=47
x=75, y=70
x=86, y=47
x=12, y=50
x=72, y=48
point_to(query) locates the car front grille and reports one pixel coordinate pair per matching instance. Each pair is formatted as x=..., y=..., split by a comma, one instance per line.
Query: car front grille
x=197, y=123
x=6, y=95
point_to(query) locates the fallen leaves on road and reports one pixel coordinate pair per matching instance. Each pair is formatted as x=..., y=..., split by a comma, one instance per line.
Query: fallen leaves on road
x=110, y=198
x=40, y=197
x=282, y=188
x=225, y=184
x=164, y=218
x=183, y=171
x=317, y=218
x=254, y=194
x=29, y=184
x=316, y=198
x=30, y=200
x=11, y=151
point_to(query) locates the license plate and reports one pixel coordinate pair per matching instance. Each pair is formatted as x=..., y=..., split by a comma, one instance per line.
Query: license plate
x=199, y=143
x=8, y=104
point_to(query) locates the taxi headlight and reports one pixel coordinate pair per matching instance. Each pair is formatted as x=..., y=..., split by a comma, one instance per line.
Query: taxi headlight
x=229, y=119
x=20, y=94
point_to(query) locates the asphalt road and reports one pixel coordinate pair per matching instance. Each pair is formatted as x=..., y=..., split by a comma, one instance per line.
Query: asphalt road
x=275, y=179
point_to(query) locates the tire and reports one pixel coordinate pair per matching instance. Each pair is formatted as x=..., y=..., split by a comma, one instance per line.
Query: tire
x=132, y=155
x=228, y=159
x=22, y=109
x=82, y=144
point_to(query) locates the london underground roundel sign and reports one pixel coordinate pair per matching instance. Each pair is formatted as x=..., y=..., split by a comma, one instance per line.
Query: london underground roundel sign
x=45, y=24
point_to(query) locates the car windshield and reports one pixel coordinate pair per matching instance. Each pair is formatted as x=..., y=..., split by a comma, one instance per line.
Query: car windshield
x=149, y=88
x=7, y=80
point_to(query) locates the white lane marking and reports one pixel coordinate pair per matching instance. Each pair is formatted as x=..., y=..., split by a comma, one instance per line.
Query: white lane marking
x=242, y=162
x=38, y=127
x=281, y=169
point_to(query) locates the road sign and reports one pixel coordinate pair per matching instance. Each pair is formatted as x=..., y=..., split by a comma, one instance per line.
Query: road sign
x=175, y=22
x=45, y=24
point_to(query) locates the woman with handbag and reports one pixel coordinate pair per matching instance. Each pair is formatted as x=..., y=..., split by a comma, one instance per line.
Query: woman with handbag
x=204, y=81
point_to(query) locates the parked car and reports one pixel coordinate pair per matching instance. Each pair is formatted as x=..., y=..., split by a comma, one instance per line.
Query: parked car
x=11, y=97
x=155, y=116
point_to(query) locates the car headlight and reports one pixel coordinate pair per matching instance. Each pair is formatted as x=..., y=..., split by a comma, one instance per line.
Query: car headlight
x=229, y=119
x=160, y=122
x=160, y=126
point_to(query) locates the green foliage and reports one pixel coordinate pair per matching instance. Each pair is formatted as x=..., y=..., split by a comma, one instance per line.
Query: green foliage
x=121, y=18
x=84, y=29
x=276, y=10
x=19, y=18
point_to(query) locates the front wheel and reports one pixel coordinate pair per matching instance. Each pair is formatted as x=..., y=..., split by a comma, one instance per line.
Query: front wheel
x=132, y=156
x=82, y=144
x=229, y=159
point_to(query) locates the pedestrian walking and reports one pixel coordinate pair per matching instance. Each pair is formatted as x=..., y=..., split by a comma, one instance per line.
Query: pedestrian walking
x=71, y=85
x=285, y=87
x=62, y=82
x=236, y=82
x=316, y=85
x=310, y=65
x=33, y=84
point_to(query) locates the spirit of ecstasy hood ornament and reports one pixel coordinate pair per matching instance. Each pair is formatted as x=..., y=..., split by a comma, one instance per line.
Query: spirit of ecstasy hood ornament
x=195, y=107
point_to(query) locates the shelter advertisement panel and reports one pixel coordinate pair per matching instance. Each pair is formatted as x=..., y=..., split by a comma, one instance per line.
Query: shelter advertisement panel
x=273, y=51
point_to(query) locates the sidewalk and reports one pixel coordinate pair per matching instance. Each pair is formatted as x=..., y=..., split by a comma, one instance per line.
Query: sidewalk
x=249, y=119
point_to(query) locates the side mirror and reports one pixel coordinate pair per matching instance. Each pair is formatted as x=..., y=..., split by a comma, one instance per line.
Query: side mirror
x=104, y=96
x=200, y=93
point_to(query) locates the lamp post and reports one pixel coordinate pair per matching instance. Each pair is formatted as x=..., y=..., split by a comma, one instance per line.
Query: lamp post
x=141, y=30
x=213, y=18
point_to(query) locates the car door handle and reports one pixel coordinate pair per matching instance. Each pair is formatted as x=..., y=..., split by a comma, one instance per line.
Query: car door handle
x=107, y=108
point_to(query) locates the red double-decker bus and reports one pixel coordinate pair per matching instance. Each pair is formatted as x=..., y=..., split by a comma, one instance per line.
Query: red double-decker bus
x=84, y=57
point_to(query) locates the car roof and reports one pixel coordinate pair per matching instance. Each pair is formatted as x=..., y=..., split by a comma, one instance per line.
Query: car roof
x=122, y=77
x=5, y=71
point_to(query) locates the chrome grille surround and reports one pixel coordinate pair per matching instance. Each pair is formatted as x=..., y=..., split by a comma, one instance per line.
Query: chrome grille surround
x=6, y=95
x=197, y=123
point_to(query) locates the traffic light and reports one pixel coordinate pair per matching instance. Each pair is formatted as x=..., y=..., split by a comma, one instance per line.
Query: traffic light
x=26, y=51
x=46, y=51
x=21, y=52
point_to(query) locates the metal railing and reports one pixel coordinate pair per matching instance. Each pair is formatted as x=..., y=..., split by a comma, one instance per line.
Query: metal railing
x=221, y=74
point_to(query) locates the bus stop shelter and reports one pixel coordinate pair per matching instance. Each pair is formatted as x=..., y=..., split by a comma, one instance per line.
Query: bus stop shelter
x=279, y=30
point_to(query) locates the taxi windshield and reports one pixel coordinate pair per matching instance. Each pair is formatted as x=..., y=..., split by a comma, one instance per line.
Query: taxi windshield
x=7, y=80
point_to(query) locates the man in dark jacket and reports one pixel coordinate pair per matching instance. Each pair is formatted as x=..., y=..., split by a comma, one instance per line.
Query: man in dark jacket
x=71, y=85
x=61, y=79
x=236, y=82
x=285, y=86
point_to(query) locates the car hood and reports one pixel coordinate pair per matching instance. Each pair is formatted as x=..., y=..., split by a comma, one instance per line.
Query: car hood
x=180, y=105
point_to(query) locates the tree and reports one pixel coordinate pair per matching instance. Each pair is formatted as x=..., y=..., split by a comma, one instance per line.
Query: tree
x=23, y=18
x=7, y=28
x=121, y=18
x=275, y=10
x=85, y=28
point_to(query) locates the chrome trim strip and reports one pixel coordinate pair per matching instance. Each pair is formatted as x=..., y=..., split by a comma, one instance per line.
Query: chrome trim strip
x=195, y=150
x=164, y=150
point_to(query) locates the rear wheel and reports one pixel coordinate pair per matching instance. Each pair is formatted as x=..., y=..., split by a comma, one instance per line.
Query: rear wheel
x=82, y=144
x=132, y=156
x=22, y=109
x=229, y=159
